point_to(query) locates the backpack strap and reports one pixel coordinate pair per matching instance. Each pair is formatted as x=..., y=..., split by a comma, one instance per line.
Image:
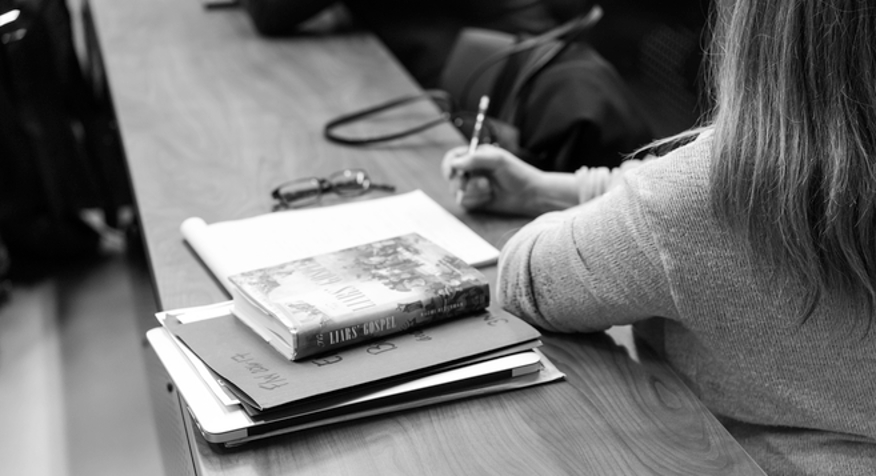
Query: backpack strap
x=437, y=96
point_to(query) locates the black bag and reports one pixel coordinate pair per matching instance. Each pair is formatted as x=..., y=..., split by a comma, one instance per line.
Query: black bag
x=5, y=282
x=54, y=158
x=282, y=17
x=554, y=102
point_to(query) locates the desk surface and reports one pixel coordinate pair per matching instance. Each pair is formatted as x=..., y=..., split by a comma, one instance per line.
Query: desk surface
x=213, y=116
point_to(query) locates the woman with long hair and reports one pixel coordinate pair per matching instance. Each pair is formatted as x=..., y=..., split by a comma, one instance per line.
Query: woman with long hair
x=746, y=256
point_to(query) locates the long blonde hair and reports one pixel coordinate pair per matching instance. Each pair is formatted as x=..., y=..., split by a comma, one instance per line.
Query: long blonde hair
x=794, y=164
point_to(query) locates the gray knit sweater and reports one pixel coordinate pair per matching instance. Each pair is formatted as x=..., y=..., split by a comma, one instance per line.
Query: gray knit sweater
x=801, y=398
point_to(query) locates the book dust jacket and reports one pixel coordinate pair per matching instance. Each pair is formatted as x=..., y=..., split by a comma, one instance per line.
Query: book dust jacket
x=360, y=293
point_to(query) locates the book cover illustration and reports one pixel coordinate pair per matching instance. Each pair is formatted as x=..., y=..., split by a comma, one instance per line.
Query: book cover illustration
x=359, y=293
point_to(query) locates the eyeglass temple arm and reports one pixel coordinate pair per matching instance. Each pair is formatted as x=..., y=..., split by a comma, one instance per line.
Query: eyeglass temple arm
x=378, y=186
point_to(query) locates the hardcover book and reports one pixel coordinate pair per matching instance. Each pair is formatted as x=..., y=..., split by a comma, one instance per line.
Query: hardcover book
x=332, y=300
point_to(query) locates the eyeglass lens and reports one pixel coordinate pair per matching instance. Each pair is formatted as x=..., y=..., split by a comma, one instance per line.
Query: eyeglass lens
x=299, y=191
x=349, y=182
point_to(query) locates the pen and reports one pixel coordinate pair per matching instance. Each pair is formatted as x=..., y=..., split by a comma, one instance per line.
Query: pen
x=483, y=105
x=479, y=124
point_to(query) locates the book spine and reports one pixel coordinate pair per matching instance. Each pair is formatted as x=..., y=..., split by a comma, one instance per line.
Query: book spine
x=280, y=345
x=416, y=311
x=265, y=320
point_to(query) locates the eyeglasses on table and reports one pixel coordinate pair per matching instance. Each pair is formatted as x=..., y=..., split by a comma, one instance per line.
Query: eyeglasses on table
x=310, y=190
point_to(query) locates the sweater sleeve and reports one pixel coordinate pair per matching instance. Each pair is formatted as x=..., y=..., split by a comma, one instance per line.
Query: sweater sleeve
x=586, y=268
x=595, y=181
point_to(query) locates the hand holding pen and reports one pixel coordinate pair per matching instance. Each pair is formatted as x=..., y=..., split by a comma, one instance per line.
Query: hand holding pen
x=489, y=178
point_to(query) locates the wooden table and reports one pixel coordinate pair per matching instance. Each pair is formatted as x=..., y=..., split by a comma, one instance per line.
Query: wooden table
x=212, y=116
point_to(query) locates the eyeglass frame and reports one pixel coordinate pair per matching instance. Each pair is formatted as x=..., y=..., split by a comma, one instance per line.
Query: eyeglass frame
x=323, y=185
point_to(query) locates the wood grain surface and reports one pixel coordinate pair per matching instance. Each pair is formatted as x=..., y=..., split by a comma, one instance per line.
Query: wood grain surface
x=212, y=117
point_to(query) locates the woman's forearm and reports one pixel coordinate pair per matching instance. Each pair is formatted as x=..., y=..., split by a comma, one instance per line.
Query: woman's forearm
x=554, y=191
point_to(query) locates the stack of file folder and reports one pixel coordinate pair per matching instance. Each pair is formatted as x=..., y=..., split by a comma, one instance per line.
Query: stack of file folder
x=239, y=389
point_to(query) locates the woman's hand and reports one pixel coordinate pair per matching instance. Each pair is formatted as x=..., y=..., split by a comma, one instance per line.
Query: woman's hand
x=494, y=180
